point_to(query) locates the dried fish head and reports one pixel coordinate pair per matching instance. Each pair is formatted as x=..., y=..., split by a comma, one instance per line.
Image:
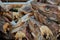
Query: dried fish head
x=46, y=32
x=20, y=34
x=6, y=27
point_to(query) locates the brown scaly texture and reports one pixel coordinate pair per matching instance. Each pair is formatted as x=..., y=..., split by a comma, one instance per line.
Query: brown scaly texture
x=34, y=21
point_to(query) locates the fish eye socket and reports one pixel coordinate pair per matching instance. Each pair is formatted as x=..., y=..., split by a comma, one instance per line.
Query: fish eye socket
x=47, y=8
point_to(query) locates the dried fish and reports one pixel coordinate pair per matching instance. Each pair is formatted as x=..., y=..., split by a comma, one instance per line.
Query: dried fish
x=51, y=11
x=23, y=19
x=20, y=35
x=37, y=20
